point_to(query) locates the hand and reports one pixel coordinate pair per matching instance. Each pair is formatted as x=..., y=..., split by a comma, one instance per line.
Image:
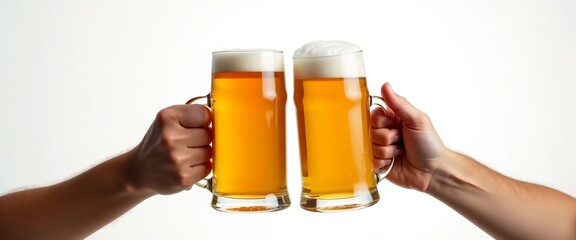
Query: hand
x=406, y=134
x=175, y=152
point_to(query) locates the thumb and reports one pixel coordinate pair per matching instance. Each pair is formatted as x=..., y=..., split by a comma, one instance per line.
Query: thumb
x=410, y=115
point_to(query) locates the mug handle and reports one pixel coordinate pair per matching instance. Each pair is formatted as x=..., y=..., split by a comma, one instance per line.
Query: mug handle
x=381, y=104
x=205, y=183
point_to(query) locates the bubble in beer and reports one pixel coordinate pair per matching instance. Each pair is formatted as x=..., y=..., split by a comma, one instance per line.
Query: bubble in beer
x=325, y=48
x=248, y=60
x=328, y=59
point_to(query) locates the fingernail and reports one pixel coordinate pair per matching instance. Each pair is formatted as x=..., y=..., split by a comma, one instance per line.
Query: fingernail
x=396, y=139
x=398, y=152
x=389, y=121
x=391, y=87
x=386, y=163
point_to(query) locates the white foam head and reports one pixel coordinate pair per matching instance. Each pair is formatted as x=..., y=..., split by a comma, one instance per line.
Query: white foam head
x=328, y=59
x=248, y=60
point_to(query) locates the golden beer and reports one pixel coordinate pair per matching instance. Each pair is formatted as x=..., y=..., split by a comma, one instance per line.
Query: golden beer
x=335, y=145
x=249, y=134
x=333, y=105
x=248, y=101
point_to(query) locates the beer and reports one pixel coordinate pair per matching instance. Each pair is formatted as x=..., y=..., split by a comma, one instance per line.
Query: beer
x=248, y=101
x=249, y=134
x=332, y=105
x=335, y=147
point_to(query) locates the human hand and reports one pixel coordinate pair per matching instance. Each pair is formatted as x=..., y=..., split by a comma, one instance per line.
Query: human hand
x=406, y=134
x=175, y=152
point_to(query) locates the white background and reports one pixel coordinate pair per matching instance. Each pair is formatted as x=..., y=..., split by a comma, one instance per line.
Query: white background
x=80, y=82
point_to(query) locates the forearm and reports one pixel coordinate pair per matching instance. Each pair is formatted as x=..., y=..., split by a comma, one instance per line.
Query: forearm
x=503, y=207
x=72, y=209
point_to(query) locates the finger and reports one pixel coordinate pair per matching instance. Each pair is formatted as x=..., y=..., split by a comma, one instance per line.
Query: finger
x=195, y=115
x=197, y=137
x=380, y=164
x=383, y=119
x=410, y=115
x=194, y=156
x=188, y=116
x=194, y=174
x=385, y=136
x=384, y=152
x=178, y=137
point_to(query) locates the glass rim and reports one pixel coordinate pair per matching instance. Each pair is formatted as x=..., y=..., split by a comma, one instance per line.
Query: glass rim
x=320, y=57
x=248, y=50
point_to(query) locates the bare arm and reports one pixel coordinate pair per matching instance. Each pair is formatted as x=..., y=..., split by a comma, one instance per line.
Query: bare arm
x=173, y=155
x=503, y=207
x=72, y=209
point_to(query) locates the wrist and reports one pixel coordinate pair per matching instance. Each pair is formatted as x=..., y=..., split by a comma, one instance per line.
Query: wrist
x=425, y=176
x=131, y=181
x=453, y=174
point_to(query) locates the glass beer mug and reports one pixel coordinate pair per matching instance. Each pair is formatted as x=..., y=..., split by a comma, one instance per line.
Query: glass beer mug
x=248, y=101
x=333, y=114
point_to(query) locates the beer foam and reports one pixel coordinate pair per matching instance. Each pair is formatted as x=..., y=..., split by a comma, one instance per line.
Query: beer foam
x=325, y=48
x=328, y=59
x=248, y=60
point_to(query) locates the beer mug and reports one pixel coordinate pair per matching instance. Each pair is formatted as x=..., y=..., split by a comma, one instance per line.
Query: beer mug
x=333, y=114
x=248, y=101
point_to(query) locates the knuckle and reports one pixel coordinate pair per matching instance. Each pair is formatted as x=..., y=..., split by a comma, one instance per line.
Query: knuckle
x=175, y=158
x=183, y=181
x=168, y=140
x=423, y=118
x=166, y=115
